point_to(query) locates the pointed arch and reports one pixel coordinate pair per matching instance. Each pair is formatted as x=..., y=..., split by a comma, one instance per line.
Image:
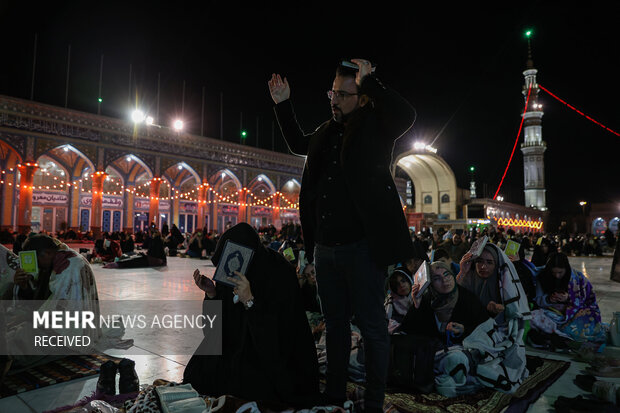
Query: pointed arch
x=262, y=179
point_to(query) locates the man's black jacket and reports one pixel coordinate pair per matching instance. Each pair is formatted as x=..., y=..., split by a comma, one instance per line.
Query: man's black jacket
x=366, y=158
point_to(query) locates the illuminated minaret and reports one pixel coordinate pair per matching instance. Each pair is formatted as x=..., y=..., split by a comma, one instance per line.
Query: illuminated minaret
x=533, y=147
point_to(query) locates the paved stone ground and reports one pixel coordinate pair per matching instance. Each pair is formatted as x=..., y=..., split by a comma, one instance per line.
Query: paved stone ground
x=175, y=282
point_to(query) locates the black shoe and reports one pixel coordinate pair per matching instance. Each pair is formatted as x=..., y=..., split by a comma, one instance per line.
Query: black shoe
x=585, y=381
x=107, y=378
x=128, y=382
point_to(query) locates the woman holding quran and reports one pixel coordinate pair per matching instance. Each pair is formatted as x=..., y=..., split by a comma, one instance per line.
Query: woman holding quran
x=440, y=319
x=268, y=352
x=448, y=312
x=496, y=346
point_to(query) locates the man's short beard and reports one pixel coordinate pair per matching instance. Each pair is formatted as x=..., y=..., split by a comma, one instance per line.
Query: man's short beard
x=342, y=118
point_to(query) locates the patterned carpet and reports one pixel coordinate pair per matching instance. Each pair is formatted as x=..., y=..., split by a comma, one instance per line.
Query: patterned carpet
x=543, y=373
x=59, y=371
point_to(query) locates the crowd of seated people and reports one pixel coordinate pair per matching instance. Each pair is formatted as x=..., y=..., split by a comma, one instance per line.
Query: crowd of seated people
x=155, y=255
x=107, y=248
x=470, y=322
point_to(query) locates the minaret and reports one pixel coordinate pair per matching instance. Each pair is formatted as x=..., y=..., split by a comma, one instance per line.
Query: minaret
x=533, y=147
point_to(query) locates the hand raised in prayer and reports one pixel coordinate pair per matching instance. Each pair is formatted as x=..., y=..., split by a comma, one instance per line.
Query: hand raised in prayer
x=494, y=308
x=22, y=278
x=465, y=265
x=278, y=88
x=204, y=283
x=414, y=291
x=242, y=287
x=455, y=328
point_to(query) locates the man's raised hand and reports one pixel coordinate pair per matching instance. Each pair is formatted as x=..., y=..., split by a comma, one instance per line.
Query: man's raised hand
x=365, y=68
x=279, y=89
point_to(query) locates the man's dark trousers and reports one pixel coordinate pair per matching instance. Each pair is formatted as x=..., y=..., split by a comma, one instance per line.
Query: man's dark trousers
x=351, y=283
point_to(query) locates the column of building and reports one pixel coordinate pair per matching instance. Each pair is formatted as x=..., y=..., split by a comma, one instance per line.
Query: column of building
x=74, y=204
x=275, y=210
x=202, y=207
x=243, y=202
x=154, y=201
x=128, y=202
x=97, y=202
x=8, y=198
x=24, y=209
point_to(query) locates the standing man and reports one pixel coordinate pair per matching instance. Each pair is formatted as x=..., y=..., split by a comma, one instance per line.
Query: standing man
x=351, y=216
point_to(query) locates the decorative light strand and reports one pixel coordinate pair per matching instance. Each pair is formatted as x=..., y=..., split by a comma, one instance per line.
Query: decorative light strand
x=509, y=222
x=232, y=199
x=578, y=111
x=529, y=90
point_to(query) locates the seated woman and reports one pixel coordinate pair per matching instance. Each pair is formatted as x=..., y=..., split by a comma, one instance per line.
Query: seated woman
x=268, y=352
x=448, y=312
x=445, y=316
x=127, y=243
x=195, y=248
x=567, y=302
x=541, y=252
x=107, y=249
x=498, y=342
x=399, y=299
x=154, y=257
x=173, y=240
x=65, y=282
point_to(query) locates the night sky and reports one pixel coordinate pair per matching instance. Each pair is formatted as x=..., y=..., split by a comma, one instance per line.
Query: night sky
x=461, y=68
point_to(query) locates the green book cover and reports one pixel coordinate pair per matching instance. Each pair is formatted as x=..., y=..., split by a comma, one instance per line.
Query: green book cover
x=289, y=254
x=512, y=248
x=28, y=262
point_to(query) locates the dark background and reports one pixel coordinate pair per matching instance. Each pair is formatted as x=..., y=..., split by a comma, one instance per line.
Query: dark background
x=461, y=67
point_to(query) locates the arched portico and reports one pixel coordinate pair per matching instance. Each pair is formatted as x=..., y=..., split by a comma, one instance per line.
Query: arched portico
x=434, y=182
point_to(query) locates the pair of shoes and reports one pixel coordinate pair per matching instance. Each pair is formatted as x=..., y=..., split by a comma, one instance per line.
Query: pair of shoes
x=128, y=381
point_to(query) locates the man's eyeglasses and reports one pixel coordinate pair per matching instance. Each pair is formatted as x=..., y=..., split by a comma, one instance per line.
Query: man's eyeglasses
x=331, y=94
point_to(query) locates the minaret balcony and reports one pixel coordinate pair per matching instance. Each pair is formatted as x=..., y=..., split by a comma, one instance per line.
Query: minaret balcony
x=541, y=144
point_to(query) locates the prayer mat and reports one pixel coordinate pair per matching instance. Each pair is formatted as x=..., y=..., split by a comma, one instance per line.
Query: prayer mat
x=57, y=371
x=543, y=373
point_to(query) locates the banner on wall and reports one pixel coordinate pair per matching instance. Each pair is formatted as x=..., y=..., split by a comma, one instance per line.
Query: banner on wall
x=229, y=209
x=106, y=202
x=261, y=211
x=143, y=204
x=188, y=207
x=47, y=198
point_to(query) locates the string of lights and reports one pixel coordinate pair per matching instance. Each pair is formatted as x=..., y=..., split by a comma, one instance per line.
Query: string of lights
x=578, y=111
x=529, y=90
x=521, y=223
x=228, y=199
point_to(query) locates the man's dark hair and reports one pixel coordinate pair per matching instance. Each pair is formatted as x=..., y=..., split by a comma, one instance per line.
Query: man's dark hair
x=343, y=71
x=548, y=282
x=346, y=71
x=440, y=253
x=40, y=243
